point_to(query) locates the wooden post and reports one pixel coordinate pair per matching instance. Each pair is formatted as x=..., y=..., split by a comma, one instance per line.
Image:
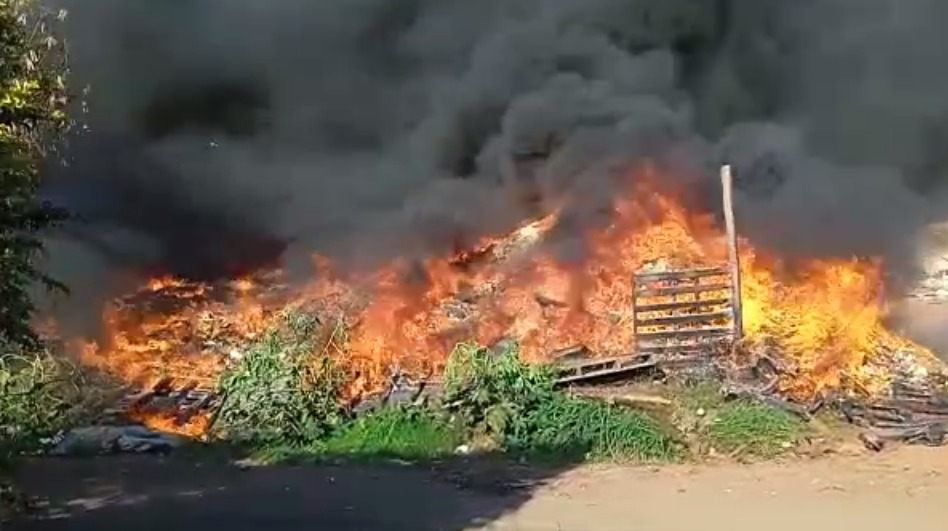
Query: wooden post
x=727, y=186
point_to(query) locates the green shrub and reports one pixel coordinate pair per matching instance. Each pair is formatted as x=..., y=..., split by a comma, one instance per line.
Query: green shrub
x=39, y=396
x=489, y=392
x=516, y=406
x=285, y=389
x=33, y=100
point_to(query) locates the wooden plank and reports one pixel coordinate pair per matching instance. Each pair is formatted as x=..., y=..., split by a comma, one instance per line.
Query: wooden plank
x=680, y=305
x=617, y=367
x=597, y=363
x=734, y=258
x=706, y=348
x=680, y=290
x=686, y=274
x=711, y=332
x=694, y=318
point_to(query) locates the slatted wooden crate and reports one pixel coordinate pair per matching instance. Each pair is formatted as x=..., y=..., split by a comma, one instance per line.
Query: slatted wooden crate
x=685, y=314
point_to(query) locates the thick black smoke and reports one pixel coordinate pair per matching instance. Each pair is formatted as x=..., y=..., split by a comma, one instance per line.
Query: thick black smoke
x=228, y=131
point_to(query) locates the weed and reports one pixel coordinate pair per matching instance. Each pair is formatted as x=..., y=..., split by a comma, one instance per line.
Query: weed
x=284, y=389
x=702, y=395
x=406, y=434
x=568, y=427
x=490, y=391
x=40, y=394
x=753, y=428
x=515, y=406
x=410, y=434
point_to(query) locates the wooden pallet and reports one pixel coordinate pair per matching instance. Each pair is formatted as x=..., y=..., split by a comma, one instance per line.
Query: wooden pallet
x=183, y=399
x=684, y=313
x=592, y=369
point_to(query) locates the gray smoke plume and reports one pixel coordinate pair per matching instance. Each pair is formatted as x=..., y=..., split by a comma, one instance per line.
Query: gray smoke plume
x=224, y=129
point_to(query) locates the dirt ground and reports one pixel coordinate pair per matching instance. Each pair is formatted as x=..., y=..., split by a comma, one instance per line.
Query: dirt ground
x=905, y=488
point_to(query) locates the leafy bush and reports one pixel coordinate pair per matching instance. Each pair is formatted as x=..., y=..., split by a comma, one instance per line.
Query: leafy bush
x=33, y=100
x=515, y=406
x=490, y=391
x=285, y=389
x=39, y=396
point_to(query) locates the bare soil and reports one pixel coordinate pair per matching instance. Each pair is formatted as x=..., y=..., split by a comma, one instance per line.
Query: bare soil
x=905, y=488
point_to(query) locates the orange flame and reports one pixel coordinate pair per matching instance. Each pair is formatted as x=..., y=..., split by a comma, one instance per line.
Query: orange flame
x=827, y=317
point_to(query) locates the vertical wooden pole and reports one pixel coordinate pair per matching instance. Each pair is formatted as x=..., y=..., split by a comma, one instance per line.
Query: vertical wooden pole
x=727, y=186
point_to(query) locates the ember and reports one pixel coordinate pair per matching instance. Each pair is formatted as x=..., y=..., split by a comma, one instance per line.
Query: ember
x=820, y=329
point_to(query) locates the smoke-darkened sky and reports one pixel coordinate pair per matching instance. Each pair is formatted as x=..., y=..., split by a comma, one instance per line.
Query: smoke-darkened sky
x=310, y=123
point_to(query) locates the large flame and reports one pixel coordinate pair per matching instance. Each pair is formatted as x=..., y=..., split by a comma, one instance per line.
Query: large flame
x=824, y=316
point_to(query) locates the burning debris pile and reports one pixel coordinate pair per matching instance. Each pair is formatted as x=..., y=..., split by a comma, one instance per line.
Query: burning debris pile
x=658, y=288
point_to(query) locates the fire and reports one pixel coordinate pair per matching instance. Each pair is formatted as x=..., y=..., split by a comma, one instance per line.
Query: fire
x=823, y=316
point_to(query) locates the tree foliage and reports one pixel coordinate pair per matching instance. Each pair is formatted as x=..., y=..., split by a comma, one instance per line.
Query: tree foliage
x=33, y=118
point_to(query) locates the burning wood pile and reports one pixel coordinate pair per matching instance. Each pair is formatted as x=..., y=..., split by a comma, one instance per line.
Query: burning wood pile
x=659, y=290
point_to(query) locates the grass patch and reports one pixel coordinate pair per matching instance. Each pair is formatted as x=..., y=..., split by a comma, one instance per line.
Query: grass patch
x=283, y=401
x=573, y=428
x=752, y=428
x=409, y=434
x=738, y=428
x=702, y=395
x=413, y=435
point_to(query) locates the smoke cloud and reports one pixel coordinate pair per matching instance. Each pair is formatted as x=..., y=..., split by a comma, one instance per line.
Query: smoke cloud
x=223, y=130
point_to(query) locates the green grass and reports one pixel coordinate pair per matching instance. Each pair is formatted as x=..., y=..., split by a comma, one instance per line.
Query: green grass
x=754, y=429
x=737, y=428
x=283, y=400
x=572, y=428
x=414, y=435
x=492, y=402
x=406, y=434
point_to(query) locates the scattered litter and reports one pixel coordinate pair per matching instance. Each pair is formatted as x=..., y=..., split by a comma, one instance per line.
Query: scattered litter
x=114, y=440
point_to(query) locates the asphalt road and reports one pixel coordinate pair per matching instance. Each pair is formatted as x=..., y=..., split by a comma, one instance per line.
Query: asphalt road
x=905, y=489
